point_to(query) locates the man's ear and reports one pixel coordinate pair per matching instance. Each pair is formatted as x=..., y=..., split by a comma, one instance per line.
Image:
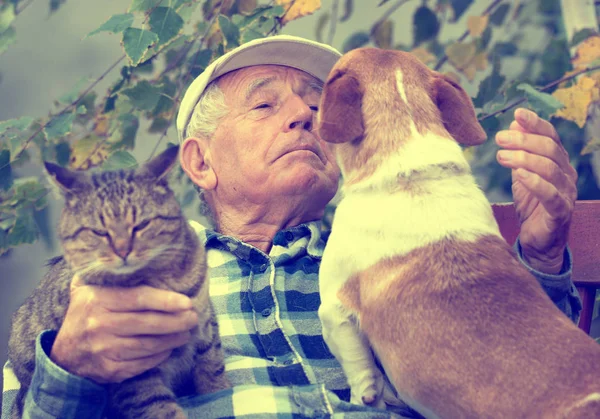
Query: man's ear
x=195, y=162
x=457, y=111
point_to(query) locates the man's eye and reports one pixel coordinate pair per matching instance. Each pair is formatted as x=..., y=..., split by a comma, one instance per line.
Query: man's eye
x=262, y=106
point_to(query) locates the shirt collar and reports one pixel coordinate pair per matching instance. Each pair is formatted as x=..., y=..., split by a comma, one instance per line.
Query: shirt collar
x=308, y=235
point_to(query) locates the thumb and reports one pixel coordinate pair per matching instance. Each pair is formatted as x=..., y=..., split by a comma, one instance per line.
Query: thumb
x=76, y=282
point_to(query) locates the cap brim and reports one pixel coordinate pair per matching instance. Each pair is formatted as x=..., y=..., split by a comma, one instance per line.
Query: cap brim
x=314, y=58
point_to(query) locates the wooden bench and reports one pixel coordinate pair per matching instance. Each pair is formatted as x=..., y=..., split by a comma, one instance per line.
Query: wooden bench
x=584, y=242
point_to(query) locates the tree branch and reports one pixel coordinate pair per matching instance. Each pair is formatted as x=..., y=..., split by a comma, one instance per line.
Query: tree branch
x=544, y=88
x=25, y=6
x=389, y=12
x=71, y=106
x=486, y=12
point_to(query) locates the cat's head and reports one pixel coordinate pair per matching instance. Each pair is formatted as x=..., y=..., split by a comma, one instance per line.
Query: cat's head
x=118, y=222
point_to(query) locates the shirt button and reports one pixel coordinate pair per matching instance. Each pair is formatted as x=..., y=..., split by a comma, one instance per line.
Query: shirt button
x=289, y=236
x=288, y=362
x=266, y=312
x=262, y=267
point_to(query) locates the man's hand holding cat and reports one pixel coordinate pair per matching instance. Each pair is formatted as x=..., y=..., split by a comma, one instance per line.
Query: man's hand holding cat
x=112, y=334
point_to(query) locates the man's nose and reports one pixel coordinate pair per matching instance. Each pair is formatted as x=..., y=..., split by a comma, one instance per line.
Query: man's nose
x=302, y=115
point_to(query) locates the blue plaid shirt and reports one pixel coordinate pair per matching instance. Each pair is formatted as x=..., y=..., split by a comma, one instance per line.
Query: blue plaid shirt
x=276, y=358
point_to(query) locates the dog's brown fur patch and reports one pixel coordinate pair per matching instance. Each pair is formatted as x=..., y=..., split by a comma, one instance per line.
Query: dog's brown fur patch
x=363, y=114
x=432, y=317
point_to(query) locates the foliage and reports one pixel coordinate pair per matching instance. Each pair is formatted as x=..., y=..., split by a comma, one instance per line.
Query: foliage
x=166, y=43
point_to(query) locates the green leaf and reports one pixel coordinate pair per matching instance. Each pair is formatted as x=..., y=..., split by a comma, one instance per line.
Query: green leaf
x=186, y=10
x=166, y=23
x=7, y=38
x=125, y=136
x=7, y=16
x=543, y=104
x=383, y=34
x=491, y=126
x=321, y=23
x=230, y=32
x=356, y=40
x=459, y=7
x=497, y=17
x=116, y=24
x=143, y=5
x=159, y=125
x=11, y=125
x=14, y=133
x=348, y=9
x=59, y=126
x=136, y=42
x=425, y=25
x=28, y=189
x=55, y=4
x=488, y=88
x=504, y=49
x=120, y=159
x=24, y=231
x=45, y=226
x=582, y=35
x=249, y=35
x=63, y=153
x=72, y=95
x=6, y=176
x=165, y=102
x=143, y=95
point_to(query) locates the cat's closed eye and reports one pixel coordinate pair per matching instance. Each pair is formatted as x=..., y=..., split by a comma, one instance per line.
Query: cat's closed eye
x=100, y=233
x=141, y=225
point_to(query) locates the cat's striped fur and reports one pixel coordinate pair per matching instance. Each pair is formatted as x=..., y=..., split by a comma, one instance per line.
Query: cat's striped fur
x=162, y=251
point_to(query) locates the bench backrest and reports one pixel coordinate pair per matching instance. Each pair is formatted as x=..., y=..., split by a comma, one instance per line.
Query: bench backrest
x=584, y=242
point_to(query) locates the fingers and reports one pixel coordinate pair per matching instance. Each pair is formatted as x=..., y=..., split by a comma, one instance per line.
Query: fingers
x=143, y=323
x=139, y=347
x=140, y=298
x=109, y=371
x=528, y=121
x=558, y=206
x=532, y=144
x=542, y=166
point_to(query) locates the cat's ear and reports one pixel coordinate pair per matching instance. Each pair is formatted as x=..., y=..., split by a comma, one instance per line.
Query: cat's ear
x=65, y=179
x=160, y=165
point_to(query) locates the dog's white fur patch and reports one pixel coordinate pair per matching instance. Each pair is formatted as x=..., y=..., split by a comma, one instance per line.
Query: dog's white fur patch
x=372, y=223
x=594, y=397
x=400, y=85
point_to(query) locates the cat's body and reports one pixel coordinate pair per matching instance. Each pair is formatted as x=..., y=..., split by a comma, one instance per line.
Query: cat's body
x=105, y=243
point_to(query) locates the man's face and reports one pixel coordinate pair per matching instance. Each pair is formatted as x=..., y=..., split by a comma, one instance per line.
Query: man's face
x=265, y=148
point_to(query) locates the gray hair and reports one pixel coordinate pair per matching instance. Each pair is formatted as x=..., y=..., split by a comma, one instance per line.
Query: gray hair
x=207, y=114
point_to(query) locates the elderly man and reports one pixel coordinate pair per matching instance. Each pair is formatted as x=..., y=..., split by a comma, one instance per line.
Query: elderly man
x=246, y=127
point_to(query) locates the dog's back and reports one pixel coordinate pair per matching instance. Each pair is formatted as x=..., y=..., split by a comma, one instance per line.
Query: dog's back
x=461, y=327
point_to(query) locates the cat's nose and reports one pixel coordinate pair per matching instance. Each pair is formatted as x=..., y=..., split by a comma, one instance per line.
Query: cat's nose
x=122, y=247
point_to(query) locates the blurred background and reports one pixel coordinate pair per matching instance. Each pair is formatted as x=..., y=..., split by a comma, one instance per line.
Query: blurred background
x=52, y=54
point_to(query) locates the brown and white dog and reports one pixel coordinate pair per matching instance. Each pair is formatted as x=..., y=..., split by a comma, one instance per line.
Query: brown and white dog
x=416, y=268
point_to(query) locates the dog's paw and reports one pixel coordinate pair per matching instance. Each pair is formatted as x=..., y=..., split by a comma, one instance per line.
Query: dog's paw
x=369, y=391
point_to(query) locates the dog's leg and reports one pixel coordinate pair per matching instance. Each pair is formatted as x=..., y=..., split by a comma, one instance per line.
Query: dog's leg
x=352, y=350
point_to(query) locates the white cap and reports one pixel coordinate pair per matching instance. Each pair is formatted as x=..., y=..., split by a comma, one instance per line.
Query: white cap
x=312, y=57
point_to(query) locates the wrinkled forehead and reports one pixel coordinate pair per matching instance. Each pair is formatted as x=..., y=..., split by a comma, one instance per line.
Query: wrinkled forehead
x=239, y=84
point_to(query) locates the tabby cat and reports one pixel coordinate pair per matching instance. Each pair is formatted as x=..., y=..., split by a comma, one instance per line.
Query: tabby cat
x=135, y=207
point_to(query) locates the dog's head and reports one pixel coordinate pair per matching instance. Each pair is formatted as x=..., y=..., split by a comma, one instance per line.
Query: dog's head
x=378, y=94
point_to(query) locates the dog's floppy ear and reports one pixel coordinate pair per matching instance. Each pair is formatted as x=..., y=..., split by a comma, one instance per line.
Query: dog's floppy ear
x=457, y=111
x=340, y=111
